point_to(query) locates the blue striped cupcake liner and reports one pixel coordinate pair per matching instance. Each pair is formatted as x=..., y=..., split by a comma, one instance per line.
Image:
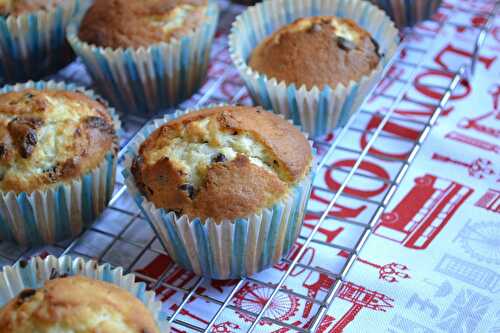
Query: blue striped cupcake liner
x=34, y=273
x=60, y=212
x=407, y=13
x=231, y=248
x=317, y=110
x=34, y=44
x=146, y=80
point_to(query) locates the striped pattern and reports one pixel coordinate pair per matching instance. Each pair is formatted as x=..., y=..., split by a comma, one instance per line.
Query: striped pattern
x=317, y=111
x=230, y=249
x=34, y=44
x=51, y=215
x=34, y=274
x=146, y=80
x=407, y=13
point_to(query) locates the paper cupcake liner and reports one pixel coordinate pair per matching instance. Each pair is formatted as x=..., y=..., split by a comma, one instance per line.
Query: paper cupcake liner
x=50, y=215
x=145, y=80
x=33, y=274
x=408, y=13
x=317, y=110
x=231, y=248
x=34, y=44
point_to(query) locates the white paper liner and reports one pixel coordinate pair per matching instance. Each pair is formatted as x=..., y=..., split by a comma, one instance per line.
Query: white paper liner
x=33, y=274
x=50, y=215
x=34, y=44
x=408, y=13
x=231, y=248
x=317, y=110
x=145, y=80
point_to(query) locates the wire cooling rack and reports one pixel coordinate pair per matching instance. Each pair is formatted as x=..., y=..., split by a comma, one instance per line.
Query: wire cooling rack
x=122, y=236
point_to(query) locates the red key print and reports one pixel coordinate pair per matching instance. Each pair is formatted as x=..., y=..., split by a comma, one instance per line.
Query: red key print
x=419, y=217
x=478, y=168
x=474, y=142
x=391, y=272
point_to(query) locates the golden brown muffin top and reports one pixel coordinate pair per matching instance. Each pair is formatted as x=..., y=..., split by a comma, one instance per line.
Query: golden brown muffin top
x=50, y=136
x=76, y=304
x=18, y=7
x=136, y=23
x=317, y=51
x=222, y=163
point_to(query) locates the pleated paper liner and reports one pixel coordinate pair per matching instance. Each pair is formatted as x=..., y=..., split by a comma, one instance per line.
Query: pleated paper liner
x=33, y=274
x=317, y=110
x=145, y=80
x=231, y=248
x=408, y=13
x=34, y=44
x=50, y=215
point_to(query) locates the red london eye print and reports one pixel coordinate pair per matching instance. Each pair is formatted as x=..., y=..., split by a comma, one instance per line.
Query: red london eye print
x=425, y=210
x=252, y=297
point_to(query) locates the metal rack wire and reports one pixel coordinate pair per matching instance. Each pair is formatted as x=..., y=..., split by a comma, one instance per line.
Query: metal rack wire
x=116, y=229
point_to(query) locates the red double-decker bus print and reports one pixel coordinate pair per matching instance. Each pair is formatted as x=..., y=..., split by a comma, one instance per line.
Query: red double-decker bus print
x=423, y=212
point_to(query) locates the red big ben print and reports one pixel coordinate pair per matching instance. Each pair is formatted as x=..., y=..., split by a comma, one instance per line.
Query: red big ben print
x=425, y=210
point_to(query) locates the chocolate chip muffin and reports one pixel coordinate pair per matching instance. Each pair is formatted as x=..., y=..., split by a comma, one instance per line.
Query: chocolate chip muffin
x=221, y=163
x=76, y=304
x=317, y=51
x=18, y=7
x=136, y=23
x=50, y=137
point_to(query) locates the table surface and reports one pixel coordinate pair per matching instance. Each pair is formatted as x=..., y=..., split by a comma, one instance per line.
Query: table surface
x=432, y=263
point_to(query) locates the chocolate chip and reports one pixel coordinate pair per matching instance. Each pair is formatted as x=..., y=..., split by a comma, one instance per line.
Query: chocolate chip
x=187, y=188
x=28, y=144
x=316, y=27
x=3, y=151
x=235, y=132
x=219, y=158
x=96, y=122
x=345, y=44
x=23, y=263
x=25, y=294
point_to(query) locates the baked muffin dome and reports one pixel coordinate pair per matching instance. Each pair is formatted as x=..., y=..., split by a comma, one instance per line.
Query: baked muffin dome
x=317, y=51
x=51, y=136
x=76, y=304
x=18, y=7
x=136, y=23
x=222, y=163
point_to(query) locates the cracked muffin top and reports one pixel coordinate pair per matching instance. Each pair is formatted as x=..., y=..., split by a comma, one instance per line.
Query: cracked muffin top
x=18, y=7
x=222, y=163
x=51, y=136
x=136, y=23
x=76, y=304
x=317, y=51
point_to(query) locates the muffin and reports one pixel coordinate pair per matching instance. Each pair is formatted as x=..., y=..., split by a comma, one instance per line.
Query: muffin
x=32, y=40
x=56, y=147
x=148, y=55
x=141, y=23
x=68, y=294
x=317, y=51
x=76, y=303
x=408, y=13
x=232, y=182
x=314, y=70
